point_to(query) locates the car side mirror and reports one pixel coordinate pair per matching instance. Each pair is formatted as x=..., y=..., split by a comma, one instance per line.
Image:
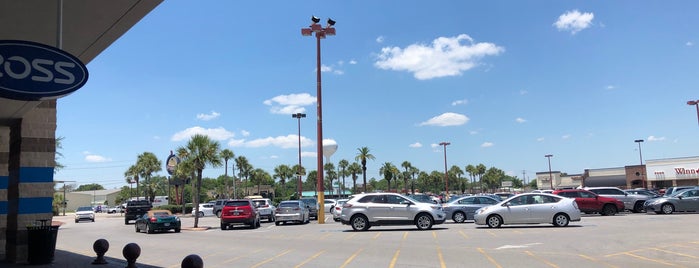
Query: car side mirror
x=680, y=197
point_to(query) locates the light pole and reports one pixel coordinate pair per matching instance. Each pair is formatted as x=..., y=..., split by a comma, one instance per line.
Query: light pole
x=695, y=103
x=550, y=175
x=320, y=33
x=299, y=116
x=640, y=156
x=446, y=178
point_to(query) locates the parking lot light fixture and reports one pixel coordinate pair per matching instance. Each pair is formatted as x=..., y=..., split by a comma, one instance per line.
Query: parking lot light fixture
x=446, y=177
x=550, y=174
x=696, y=104
x=298, y=172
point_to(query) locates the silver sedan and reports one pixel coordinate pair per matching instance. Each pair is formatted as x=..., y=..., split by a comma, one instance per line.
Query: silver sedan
x=684, y=200
x=292, y=211
x=463, y=208
x=530, y=208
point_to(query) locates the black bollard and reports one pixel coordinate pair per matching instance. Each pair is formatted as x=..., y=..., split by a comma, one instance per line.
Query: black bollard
x=100, y=247
x=131, y=252
x=192, y=261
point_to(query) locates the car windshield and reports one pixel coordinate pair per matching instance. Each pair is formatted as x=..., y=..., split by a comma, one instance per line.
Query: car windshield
x=161, y=214
x=310, y=201
x=85, y=209
x=237, y=203
x=260, y=202
x=289, y=204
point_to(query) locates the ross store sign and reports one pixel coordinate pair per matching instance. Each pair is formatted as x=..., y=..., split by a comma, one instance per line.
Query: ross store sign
x=32, y=71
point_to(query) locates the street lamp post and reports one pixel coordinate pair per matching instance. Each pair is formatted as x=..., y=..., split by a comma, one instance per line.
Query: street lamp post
x=446, y=177
x=320, y=33
x=299, y=116
x=550, y=174
x=640, y=156
x=695, y=103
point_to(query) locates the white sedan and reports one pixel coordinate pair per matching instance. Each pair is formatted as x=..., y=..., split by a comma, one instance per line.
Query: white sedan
x=205, y=209
x=530, y=208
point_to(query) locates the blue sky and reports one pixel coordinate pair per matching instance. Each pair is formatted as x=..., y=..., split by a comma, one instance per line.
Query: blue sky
x=505, y=82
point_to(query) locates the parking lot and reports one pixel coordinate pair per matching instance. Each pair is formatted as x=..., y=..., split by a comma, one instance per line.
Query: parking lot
x=625, y=240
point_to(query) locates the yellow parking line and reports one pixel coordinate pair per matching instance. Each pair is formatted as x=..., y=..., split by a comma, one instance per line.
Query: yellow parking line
x=441, y=258
x=377, y=235
x=405, y=236
x=463, y=234
x=596, y=261
x=395, y=258
x=490, y=259
x=310, y=259
x=434, y=235
x=242, y=256
x=649, y=259
x=541, y=259
x=491, y=233
x=349, y=260
x=351, y=236
x=272, y=258
x=324, y=236
x=680, y=254
x=622, y=253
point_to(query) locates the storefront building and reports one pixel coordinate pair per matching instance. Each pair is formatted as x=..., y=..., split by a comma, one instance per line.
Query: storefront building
x=663, y=173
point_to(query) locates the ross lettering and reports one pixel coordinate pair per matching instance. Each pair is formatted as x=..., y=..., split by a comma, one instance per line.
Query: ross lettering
x=18, y=67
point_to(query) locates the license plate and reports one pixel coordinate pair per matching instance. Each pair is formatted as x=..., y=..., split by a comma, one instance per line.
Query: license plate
x=167, y=224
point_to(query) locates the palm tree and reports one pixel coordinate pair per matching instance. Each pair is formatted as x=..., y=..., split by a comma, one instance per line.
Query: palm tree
x=413, y=172
x=387, y=171
x=456, y=171
x=147, y=164
x=354, y=169
x=227, y=154
x=343, y=164
x=283, y=172
x=330, y=174
x=406, y=165
x=244, y=169
x=131, y=175
x=471, y=170
x=480, y=171
x=299, y=171
x=57, y=165
x=362, y=155
x=201, y=151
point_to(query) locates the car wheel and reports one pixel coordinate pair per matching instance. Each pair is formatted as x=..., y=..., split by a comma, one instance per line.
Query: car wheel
x=638, y=207
x=359, y=223
x=459, y=217
x=93, y=220
x=271, y=218
x=257, y=223
x=76, y=221
x=494, y=221
x=561, y=220
x=148, y=230
x=218, y=213
x=177, y=230
x=200, y=214
x=423, y=221
x=609, y=210
x=126, y=222
x=277, y=223
x=224, y=226
x=667, y=208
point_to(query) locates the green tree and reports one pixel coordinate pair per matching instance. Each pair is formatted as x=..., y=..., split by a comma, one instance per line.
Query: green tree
x=200, y=151
x=354, y=169
x=227, y=154
x=471, y=170
x=283, y=173
x=59, y=146
x=493, y=178
x=455, y=172
x=343, y=164
x=132, y=176
x=147, y=164
x=406, y=175
x=90, y=187
x=480, y=171
x=387, y=171
x=244, y=170
x=362, y=155
x=330, y=174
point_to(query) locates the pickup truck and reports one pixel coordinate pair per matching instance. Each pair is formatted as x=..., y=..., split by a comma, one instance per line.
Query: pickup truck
x=136, y=208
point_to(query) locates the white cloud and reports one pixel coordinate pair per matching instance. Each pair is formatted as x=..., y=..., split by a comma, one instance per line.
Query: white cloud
x=654, y=138
x=540, y=139
x=434, y=145
x=446, y=56
x=352, y=62
x=566, y=136
x=473, y=132
x=459, y=102
x=689, y=43
x=245, y=133
x=93, y=158
x=487, y=144
x=611, y=87
x=285, y=142
x=380, y=39
x=520, y=120
x=219, y=133
x=574, y=21
x=446, y=119
x=523, y=92
x=309, y=154
x=207, y=117
x=290, y=104
x=415, y=145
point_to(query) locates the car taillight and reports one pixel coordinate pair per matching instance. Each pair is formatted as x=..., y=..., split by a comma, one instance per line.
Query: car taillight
x=264, y=206
x=297, y=208
x=346, y=205
x=278, y=210
x=338, y=208
x=153, y=219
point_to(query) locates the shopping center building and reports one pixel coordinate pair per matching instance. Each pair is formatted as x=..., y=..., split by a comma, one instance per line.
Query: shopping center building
x=33, y=76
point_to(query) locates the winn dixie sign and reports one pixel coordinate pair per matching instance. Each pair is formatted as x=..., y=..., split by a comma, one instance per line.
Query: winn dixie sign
x=32, y=71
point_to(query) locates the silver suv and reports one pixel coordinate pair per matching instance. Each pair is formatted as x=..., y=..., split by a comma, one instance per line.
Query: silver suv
x=265, y=208
x=376, y=209
x=632, y=202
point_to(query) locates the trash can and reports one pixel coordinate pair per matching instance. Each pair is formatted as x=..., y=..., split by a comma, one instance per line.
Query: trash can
x=42, y=242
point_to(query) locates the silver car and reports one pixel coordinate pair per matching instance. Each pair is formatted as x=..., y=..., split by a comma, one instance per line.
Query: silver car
x=375, y=209
x=337, y=209
x=632, y=202
x=530, y=208
x=684, y=200
x=463, y=208
x=292, y=211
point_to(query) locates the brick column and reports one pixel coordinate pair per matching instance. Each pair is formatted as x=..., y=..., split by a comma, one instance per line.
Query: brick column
x=30, y=176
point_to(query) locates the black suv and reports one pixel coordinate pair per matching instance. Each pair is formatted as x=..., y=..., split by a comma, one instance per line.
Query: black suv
x=312, y=204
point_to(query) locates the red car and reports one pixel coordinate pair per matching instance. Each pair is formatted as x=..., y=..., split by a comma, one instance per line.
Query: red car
x=239, y=212
x=589, y=202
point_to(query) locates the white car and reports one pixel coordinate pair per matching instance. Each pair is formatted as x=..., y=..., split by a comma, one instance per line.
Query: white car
x=84, y=213
x=530, y=208
x=205, y=209
x=329, y=204
x=337, y=210
x=117, y=209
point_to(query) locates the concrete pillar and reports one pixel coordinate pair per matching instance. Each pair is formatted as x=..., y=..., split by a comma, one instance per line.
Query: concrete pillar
x=30, y=187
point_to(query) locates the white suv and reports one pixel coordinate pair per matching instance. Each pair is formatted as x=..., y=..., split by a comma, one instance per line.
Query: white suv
x=375, y=209
x=632, y=202
x=84, y=213
x=265, y=208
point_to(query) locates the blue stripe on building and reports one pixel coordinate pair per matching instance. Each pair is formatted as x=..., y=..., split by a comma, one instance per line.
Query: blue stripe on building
x=35, y=174
x=3, y=207
x=4, y=182
x=34, y=205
